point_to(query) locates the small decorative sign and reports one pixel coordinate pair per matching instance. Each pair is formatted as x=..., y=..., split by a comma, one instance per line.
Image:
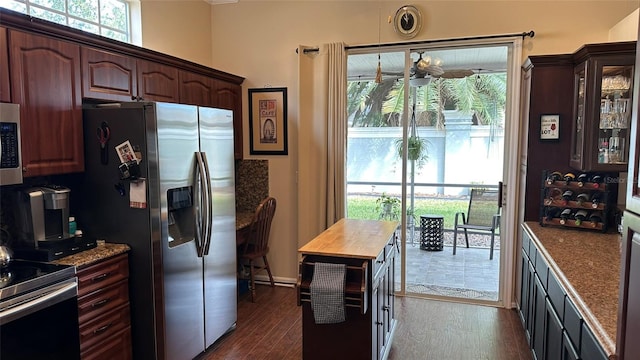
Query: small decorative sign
x=549, y=127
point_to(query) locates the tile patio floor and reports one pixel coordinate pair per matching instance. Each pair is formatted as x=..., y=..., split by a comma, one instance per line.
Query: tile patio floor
x=468, y=274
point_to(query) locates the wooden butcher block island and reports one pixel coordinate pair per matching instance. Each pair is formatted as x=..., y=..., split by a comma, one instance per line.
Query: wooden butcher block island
x=368, y=249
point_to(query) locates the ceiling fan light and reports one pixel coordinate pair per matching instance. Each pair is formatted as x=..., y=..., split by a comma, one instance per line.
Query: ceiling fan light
x=422, y=65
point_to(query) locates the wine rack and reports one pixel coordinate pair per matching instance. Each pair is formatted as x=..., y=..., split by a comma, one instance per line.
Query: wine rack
x=570, y=203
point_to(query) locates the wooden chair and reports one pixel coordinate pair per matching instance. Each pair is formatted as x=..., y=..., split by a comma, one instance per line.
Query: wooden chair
x=483, y=215
x=256, y=245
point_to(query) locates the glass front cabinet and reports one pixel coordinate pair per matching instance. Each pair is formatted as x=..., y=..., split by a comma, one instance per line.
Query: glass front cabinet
x=602, y=107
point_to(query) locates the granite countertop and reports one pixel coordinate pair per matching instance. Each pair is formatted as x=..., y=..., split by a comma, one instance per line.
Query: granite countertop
x=243, y=219
x=587, y=264
x=362, y=239
x=94, y=255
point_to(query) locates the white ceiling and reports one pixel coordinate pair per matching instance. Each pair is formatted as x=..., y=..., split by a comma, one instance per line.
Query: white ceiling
x=478, y=59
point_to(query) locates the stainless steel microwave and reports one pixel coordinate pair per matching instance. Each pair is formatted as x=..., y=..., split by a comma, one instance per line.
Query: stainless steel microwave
x=10, y=150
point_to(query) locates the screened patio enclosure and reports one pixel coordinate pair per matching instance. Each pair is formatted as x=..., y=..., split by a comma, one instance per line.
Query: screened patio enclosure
x=458, y=122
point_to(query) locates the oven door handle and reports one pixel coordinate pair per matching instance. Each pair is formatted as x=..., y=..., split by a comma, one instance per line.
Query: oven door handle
x=66, y=290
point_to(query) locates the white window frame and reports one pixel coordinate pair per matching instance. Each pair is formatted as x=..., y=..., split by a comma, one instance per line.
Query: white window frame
x=131, y=7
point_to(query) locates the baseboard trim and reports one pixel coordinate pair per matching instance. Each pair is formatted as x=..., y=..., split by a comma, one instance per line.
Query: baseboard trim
x=279, y=281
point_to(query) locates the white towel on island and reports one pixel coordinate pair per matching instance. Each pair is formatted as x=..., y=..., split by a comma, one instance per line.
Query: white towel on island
x=327, y=293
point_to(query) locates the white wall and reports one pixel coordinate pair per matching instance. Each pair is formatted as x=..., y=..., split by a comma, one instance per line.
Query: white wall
x=257, y=39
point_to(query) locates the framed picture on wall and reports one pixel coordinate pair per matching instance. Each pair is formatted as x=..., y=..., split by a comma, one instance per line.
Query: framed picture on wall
x=550, y=127
x=268, y=121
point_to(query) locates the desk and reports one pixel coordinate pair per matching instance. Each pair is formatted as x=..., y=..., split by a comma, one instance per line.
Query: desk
x=243, y=220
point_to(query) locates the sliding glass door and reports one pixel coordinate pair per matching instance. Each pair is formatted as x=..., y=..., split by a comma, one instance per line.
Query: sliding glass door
x=429, y=130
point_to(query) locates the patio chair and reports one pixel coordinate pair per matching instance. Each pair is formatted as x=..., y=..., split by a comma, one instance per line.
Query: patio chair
x=483, y=215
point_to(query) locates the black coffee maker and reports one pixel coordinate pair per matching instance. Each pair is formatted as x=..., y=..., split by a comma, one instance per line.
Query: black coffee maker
x=42, y=224
x=43, y=215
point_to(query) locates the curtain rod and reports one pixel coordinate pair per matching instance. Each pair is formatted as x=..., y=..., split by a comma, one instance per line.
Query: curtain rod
x=425, y=42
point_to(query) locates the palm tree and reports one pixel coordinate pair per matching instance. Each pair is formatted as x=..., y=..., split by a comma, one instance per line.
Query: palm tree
x=371, y=104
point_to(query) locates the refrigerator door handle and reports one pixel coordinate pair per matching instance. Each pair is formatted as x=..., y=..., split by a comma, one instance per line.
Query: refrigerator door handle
x=209, y=207
x=203, y=213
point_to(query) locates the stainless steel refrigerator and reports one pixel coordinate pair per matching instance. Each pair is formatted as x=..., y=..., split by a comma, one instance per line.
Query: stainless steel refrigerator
x=175, y=207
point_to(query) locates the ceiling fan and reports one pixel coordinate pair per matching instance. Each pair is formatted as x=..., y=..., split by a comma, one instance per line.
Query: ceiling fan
x=422, y=70
x=425, y=68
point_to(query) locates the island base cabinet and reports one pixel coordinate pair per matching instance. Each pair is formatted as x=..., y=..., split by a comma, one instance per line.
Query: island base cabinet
x=369, y=291
x=336, y=341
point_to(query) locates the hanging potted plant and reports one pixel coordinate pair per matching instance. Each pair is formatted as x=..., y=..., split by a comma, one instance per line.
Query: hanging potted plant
x=416, y=146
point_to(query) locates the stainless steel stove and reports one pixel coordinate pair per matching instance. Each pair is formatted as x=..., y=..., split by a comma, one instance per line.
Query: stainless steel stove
x=38, y=311
x=24, y=276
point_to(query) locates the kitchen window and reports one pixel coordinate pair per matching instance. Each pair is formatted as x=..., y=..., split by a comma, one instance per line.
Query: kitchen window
x=109, y=18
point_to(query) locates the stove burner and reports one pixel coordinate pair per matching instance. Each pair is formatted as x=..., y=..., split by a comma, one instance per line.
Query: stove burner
x=5, y=278
x=22, y=276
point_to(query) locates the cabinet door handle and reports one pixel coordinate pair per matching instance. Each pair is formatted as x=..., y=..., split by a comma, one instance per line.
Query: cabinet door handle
x=100, y=277
x=101, y=329
x=386, y=308
x=101, y=302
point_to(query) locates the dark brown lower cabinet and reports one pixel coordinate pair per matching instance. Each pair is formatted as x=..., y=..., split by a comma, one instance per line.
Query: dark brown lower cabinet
x=103, y=309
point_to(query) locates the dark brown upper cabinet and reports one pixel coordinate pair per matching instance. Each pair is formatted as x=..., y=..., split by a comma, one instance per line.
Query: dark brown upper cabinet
x=196, y=89
x=603, y=88
x=74, y=64
x=108, y=76
x=5, y=90
x=157, y=82
x=45, y=81
x=229, y=96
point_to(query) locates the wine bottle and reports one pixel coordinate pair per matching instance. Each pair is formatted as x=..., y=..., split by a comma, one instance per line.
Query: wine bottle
x=553, y=194
x=552, y=212
x=553, y=177
x=580, y=216
x=566, y=196
x=596, y=180
x=595, y=200
x=565, y=215
x=569, y=177
x=582, y=178
x=582, y=198
x=595, y=218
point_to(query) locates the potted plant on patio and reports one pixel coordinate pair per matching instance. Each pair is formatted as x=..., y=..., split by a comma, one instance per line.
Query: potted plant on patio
x=387, y=206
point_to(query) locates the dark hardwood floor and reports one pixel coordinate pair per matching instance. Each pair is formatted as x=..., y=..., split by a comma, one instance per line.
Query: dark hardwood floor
x=271, y=328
